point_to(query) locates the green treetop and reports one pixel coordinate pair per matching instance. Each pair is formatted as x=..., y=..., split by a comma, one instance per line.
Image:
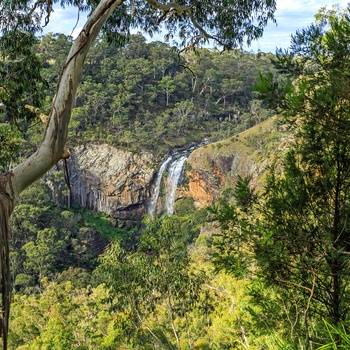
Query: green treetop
x=306, y=210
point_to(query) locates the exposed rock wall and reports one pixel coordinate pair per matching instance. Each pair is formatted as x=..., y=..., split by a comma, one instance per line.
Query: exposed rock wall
x=120, y=183
x=205, y=184
x=106, y=179
x=215, y=167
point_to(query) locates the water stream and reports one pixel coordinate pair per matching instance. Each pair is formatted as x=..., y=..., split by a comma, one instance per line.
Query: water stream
x=173, y=179
x=174, y=164
x=154, y=199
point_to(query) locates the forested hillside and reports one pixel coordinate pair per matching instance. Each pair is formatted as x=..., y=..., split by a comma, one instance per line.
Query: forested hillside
x=141, y=97
x=146, y=96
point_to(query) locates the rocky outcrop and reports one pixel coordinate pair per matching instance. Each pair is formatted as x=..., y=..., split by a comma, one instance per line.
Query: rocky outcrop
x=215, y=167
x=113, y=181
x=205, y=184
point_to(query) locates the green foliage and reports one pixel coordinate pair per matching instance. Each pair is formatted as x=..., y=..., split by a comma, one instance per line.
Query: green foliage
x=143, y=102
x=194, y=24
x=305, y=231
x=231, y=26
x=120, y=87
x=46, y=239
x=336, y=334
x=232, y=247
x=66, y=317
x=155, y=288
x=21, y=84
x=184, y=206
x=44, y=245
x=151, y=101
x=10, y=144
x=295, y=237
x=20, y=75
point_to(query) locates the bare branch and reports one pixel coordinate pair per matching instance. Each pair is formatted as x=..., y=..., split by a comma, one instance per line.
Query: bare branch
x=295, y=285
x=180, y=10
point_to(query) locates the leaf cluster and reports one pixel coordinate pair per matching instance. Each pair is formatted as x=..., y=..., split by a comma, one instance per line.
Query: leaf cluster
x=46, y=239
x=155, y=279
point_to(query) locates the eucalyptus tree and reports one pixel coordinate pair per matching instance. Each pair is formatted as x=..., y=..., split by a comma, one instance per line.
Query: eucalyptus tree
x=155, y=286
x=191, y=23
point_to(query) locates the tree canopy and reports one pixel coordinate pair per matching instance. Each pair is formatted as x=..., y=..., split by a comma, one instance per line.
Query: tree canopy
x=144, y=97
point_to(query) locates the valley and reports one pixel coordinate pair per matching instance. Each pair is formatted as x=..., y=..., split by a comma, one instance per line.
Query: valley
x=174, y=198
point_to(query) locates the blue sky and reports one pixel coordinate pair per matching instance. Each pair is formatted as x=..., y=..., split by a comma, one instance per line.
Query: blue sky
x=291, y=15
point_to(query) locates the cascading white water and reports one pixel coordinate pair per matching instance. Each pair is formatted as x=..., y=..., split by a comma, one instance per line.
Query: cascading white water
x=174, y=175
x=154, y=199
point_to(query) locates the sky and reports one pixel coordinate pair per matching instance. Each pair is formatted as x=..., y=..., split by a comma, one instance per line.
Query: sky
x=291, y=15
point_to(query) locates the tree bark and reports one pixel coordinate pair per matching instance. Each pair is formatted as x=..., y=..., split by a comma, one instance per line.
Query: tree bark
x=51, y=149
x=6, y=207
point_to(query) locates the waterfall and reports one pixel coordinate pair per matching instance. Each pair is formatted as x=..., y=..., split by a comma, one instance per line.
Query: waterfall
x=154, y=199
x=174, y=175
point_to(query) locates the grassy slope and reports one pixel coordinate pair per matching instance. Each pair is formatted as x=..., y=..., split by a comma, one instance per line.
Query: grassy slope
x=248, y=153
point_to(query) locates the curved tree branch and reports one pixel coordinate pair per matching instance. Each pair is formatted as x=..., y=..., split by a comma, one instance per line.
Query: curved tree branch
x=180, y=10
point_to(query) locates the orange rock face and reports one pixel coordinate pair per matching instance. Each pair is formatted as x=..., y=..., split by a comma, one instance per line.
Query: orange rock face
x=204, y=184
x=200, y=191
x=213, y=169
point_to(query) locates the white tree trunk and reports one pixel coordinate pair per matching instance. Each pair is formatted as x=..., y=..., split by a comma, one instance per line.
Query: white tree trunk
x=51, y=150
x=52, y=147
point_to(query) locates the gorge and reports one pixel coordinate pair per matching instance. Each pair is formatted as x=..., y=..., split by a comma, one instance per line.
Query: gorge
x=122, y=184
x=126, y=185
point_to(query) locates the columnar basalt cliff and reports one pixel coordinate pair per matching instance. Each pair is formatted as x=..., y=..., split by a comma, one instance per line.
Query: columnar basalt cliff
x=113, y=181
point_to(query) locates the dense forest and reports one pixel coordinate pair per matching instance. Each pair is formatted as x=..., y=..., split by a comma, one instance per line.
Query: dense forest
x=261, y=268
x=147, y=96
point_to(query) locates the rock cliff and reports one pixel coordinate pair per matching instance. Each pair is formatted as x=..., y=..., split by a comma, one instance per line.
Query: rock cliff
x=215, y=167
x=113, y=181
x=121, y=183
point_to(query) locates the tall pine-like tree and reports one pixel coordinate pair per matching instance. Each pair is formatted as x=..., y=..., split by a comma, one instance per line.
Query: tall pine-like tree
x=306, y=210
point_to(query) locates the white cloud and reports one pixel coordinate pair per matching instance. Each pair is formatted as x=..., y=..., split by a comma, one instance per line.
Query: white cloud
x=291, y=16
